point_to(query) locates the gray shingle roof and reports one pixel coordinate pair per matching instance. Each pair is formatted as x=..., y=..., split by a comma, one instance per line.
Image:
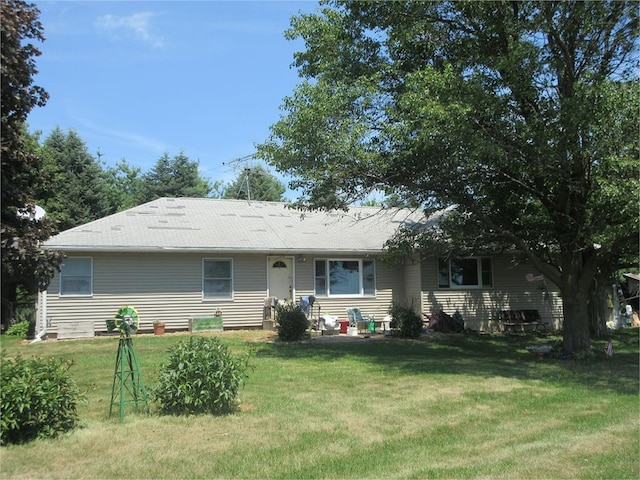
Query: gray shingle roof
x=215, y=225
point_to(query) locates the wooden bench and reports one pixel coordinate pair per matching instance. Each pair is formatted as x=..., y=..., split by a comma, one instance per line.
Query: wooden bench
x=524, y=320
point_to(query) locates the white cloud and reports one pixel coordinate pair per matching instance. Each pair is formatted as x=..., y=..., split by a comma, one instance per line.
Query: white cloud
x=112, y=136
x=138, y=23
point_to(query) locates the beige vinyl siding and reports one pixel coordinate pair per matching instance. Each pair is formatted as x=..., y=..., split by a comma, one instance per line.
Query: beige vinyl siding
x=412, y=286
x=168, y=287
x=479, y=306
x=303, y=273
x=164, y=287
x=250, y=290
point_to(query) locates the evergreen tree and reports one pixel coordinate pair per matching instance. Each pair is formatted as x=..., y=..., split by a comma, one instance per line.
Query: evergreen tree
x=174, y=177
x=125, y=185
x=255, y=183
x=77, y=191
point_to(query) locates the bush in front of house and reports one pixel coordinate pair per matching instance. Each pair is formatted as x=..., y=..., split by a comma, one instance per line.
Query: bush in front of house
x=202, y=376
x=406, y=321
x=20, y=329
x=38, y=397
x=292, y=322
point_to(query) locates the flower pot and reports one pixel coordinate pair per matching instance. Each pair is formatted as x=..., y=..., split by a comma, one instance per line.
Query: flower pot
x=158, y=328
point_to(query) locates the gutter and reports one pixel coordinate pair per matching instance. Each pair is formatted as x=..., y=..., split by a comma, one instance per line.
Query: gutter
x=273, y=251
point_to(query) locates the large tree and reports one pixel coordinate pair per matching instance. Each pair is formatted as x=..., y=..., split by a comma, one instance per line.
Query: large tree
x=524, y=115
x=77, y=190
x=124, y=185
x=174, y=177
x=24, y=264
x=255, y=183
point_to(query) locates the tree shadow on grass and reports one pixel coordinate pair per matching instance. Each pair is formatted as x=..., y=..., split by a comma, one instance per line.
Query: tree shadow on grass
x=481, y=355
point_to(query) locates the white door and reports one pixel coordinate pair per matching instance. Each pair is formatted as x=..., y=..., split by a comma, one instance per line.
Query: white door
x=281, y=278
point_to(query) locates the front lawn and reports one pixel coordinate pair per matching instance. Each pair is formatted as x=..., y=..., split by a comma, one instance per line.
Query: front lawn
x=447, y=406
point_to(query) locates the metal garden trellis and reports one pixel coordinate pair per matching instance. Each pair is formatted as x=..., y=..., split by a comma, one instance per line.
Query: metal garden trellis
x=128, y=386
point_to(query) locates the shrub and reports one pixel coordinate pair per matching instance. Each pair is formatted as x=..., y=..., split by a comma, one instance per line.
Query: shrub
x=292, y=322
x=405, y=320
x=38, y=399
x=201, y=376
x=20, y=329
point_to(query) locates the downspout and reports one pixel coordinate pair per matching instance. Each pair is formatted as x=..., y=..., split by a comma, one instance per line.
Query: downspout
x=43, y=318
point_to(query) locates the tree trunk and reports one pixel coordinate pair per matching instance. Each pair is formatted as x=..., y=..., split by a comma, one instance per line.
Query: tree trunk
x=575, y=336
x=9, y=297
x=599, y=310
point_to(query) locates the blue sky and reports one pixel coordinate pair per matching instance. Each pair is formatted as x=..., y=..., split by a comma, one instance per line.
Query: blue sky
x=136, y=79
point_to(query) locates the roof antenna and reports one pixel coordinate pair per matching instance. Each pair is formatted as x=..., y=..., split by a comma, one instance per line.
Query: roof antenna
x=247, y=173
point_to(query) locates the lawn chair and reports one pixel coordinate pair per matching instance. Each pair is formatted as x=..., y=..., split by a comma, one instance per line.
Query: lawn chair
x=364, y=324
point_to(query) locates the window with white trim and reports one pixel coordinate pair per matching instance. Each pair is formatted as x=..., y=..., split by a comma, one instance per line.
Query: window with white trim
x=344, y=277
x=217, y=279
x=76, y=276
x=465, y=273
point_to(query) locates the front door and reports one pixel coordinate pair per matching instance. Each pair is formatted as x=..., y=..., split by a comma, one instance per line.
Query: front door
x=281, y=278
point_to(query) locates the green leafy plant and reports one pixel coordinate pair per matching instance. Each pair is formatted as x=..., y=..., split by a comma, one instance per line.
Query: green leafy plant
x=20, y=329
x=38, y=397
x=407, y=322
x=201, y=376
x=292, y=322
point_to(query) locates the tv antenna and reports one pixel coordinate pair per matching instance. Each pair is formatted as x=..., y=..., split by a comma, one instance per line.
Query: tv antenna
x=244, y=182
x=236, y=161
x=247, y=175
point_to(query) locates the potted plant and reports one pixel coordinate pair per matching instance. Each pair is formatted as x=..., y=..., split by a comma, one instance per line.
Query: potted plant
x=158, y=327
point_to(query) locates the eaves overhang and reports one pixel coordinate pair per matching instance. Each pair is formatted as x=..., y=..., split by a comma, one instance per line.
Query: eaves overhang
x=206, y=250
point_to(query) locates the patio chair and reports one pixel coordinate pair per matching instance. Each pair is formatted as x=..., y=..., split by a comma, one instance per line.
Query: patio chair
x=363, y=323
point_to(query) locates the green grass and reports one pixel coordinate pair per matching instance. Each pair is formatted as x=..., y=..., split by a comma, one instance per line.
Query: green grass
x=449, y=406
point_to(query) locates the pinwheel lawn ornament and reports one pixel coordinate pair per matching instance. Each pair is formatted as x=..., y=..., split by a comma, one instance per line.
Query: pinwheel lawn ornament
x=128, y=387
x=126, y=321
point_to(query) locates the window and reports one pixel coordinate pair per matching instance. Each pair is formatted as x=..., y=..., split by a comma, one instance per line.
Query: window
x=347, y=277
x=465, y=273
x=217, y=280
x=76, y=276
